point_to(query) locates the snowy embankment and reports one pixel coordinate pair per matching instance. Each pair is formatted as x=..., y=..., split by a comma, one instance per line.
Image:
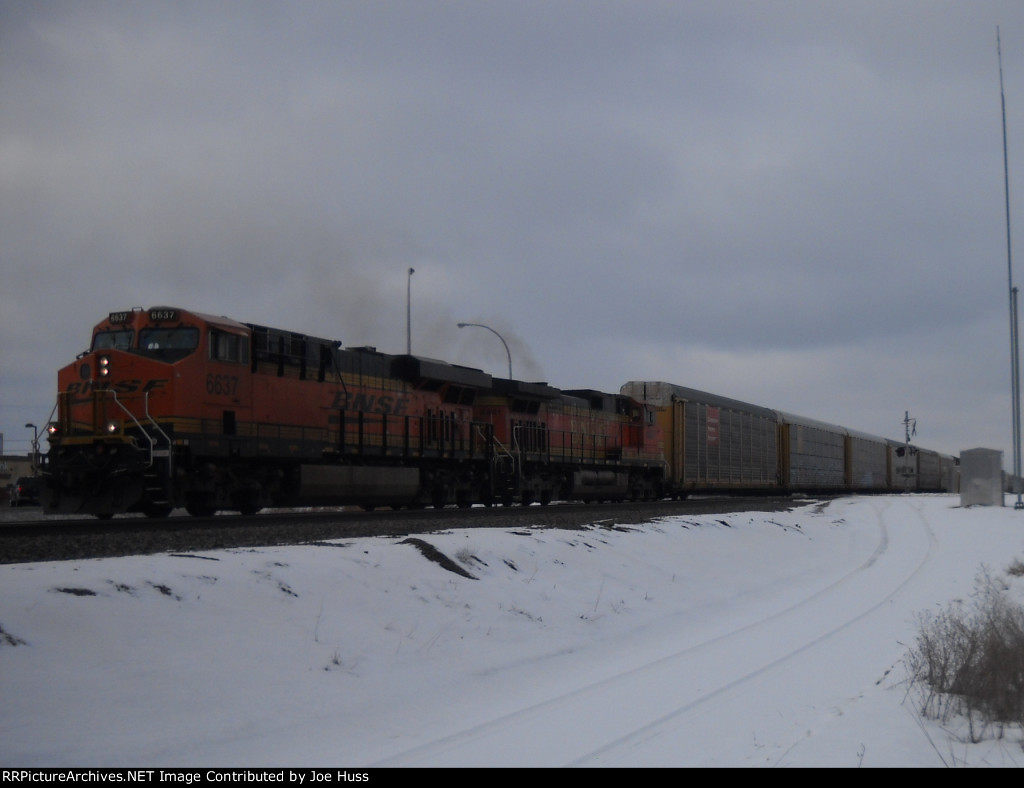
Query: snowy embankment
x=729, y=640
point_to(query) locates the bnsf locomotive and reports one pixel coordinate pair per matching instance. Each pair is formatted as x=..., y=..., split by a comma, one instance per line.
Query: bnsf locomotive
x=170, y=408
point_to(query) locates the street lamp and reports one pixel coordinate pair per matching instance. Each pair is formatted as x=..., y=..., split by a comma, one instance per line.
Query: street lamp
x=499, y=336
x=408, y=312
x=35, y=443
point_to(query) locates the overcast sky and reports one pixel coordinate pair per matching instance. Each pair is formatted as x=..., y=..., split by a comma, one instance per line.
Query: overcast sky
x=798, y=204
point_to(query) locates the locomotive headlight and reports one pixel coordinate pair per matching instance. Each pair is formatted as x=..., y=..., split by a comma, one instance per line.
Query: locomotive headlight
x=104, y=366
x=112, y=427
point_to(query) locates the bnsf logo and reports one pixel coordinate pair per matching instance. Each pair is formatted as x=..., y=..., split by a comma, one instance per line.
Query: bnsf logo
x=370, y=403
x=120, y=387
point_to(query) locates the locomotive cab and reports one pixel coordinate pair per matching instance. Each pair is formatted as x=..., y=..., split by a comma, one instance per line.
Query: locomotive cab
x=112, y=444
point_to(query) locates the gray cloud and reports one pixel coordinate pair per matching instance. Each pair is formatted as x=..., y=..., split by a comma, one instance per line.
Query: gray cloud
x=796, y=203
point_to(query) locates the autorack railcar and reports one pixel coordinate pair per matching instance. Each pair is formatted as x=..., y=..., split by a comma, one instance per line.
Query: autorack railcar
x=716, y=444
x=814, y=455
x=915, y=469
x=712, y=443
x=868, y=463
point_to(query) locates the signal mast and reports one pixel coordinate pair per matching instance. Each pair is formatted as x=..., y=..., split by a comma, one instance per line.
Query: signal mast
x=910, y=430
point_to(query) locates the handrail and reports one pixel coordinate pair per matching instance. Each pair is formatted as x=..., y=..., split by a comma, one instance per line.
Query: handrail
x=152, y=441
x=497, y=442
x=131, y=415
x=170, y=452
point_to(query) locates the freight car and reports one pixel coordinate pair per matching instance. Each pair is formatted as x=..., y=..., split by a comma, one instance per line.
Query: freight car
x=868, y=461
x=714, y=444
x=921, y=470
x=171, y=408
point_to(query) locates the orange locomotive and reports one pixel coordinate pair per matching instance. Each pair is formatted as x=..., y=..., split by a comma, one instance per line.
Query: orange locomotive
x=582, y=445
x=170, y=408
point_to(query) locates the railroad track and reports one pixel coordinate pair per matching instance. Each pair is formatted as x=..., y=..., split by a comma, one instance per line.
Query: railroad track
x=63, y=539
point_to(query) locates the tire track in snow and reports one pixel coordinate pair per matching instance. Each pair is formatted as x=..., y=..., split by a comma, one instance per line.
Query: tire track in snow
x=670, y=690
x=653, y=729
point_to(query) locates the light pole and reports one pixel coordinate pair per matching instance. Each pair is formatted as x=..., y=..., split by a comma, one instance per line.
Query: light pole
x=408, y=312
x=499, y=336
x=35, y=443
x=1014, y=338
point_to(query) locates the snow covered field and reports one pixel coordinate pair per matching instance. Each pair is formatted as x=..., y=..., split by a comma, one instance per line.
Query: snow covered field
x=746, y=639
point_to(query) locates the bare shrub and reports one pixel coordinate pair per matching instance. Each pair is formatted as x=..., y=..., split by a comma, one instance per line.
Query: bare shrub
x=969, y=660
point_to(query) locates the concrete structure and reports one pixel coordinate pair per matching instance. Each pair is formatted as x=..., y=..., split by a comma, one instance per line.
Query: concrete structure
x=981, y=477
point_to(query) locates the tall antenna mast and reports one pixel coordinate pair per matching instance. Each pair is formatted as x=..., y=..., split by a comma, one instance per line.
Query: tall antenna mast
x=1014, y=353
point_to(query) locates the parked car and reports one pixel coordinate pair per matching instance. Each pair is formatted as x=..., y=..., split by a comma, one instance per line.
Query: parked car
x=26, y=491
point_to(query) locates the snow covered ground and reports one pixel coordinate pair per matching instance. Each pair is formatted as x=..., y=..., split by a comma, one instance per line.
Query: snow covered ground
x=729, y=640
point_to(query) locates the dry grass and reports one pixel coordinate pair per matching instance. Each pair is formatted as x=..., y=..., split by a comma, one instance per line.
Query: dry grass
x=969, y=660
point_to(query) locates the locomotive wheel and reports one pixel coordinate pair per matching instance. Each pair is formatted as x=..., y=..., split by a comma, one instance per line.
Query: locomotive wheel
x=200, y=505
x=248, y=503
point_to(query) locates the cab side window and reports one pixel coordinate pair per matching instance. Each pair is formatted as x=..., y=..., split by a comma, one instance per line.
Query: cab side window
x=228, y=347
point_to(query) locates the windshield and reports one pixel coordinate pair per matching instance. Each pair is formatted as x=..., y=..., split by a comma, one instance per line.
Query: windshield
x=116, y=340
x=168, y=344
